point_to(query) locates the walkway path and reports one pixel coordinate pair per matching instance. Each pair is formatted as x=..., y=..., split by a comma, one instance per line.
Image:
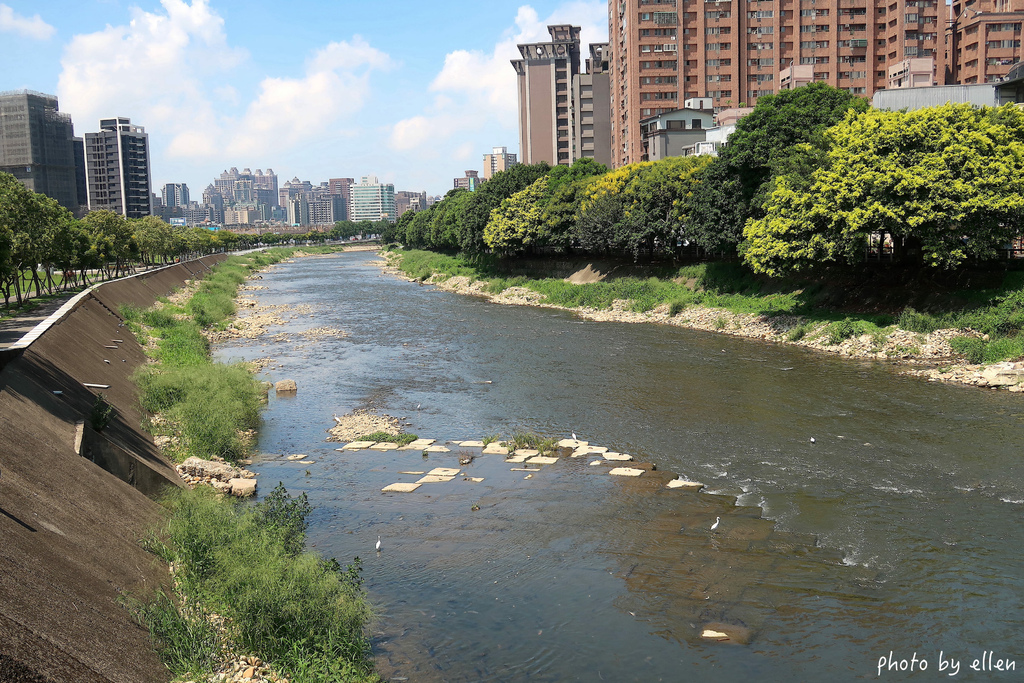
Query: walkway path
x=13, y=329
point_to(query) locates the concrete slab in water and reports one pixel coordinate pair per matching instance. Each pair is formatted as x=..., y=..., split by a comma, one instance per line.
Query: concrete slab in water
x=626, y=472
x=528, y=452
x=475, y=480
x=307, y=462
x=356, y=446
x=401, y=487
x=418, y=473
x=596, y=462
x=443, y=472
x=296, y=457
x=471, y=444
x=572, y=443
x=422, y=442
x=685, y=484
x=617, y=457
x=384, y=446
x=496, y=448
x=516, y=458
x=434, y=479
x=437, y=449
x=541, y=460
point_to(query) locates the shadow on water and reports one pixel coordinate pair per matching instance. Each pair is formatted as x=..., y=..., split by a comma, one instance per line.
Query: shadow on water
x=894, y=531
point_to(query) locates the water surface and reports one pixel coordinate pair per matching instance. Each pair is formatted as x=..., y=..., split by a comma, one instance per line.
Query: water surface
x=898, y=529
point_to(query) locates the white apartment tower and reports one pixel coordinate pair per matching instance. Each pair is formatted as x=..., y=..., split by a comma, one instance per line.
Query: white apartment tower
x=117, y=172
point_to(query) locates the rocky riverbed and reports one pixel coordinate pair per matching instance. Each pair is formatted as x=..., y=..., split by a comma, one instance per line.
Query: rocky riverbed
x=930, y=353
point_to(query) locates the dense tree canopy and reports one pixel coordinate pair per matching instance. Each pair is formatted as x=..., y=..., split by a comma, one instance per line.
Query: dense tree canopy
x=945, y=182
x=732, y=189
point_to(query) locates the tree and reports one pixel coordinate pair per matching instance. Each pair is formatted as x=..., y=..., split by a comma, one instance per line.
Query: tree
x=113, y=236
x=154, y=237
x=733, y=188
x=478, y=206
x=946, y=182
x=653, y=200
x=518, y=223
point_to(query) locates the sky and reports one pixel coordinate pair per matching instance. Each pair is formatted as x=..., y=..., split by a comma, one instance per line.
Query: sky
x=413, y=92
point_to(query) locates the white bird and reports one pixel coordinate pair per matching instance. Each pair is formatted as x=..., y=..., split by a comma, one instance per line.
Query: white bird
x=812, y=439
x=717, y=522
x=378, y=544
x=574, y=436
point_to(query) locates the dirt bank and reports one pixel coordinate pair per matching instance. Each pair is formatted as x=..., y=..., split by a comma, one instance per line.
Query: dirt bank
x=70, y=528
x=926, y=355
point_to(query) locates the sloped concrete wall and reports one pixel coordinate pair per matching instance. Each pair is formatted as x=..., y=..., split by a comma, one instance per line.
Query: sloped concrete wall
x=70, y=530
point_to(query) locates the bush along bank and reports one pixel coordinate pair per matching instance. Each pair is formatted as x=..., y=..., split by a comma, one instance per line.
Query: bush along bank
x=976, y=327
x=247, y=604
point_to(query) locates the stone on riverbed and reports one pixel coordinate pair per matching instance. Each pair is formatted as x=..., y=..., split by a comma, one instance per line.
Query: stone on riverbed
x=722, y=633
x=541, y=460
x=384, y=446
x=516, y=458
x=243, y=488
x=684, y=484
x=197, y=467
x=471, y=444
x=528, y=452
x=434, y=479
x=356, y=446
x=296, y=456
x=400, y=487
x=437, y=449
x=626, y=472
x=286, y=386
x=617, y=457
x=572, y=443
x=496, y=448
x=444, y=472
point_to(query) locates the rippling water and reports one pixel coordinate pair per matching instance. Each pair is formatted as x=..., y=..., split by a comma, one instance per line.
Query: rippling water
x=898, y=530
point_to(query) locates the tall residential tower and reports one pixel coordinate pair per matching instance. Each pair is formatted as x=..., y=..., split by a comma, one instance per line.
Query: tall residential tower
x=117, y=172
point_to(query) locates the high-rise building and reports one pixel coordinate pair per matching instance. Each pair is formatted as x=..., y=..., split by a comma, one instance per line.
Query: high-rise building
x=591, y=96
x=37, y=146
x=410, y=201
x=373, y=200
x=544, y=79
x=117, y=172
x=175, y=194
x=470, y=181
x=667, y=51
x=498, y=160
x=982, y=39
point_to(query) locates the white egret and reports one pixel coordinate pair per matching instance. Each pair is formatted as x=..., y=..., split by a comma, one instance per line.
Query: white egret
x=812, y=440
x=574, y=436
x=714, y=526
x=378, y=546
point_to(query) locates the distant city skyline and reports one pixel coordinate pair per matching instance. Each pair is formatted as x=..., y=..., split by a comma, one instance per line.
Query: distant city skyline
x=329, y=91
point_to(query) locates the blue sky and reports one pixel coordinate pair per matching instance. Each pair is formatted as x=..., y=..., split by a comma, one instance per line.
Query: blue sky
x=413, y=92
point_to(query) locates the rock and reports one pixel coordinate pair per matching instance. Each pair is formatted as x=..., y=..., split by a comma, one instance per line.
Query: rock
x=444, y=472
x=197, y=467
x=286, y=386
x=541, y=460
x=249, y=673
x=221, y=486
x=626, y=472
x=243, y=488
x=401, y=487
x=684, y=484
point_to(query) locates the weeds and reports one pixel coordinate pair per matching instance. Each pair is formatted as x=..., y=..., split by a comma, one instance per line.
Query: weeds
x=400, y=439
x=101, y=413
x=301, y=614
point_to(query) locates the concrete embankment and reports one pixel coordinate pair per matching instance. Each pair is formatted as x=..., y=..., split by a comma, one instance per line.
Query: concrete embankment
x=75, y=502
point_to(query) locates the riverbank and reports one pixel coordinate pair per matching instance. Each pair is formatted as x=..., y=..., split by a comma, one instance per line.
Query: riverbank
x=929, y=354
x=249, y=604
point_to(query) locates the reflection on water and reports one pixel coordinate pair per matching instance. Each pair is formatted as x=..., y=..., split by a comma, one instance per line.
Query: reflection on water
x=892, y=531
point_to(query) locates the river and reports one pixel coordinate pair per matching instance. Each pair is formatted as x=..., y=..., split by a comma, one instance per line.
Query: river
x=897, y=530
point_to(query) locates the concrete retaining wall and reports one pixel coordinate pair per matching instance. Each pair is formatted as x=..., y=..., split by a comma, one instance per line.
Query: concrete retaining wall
x=69, y=529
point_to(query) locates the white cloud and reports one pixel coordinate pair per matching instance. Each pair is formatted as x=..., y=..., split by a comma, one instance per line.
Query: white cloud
x=174, y=72
x=478, y=89
x=30, y=28
x=290, y=110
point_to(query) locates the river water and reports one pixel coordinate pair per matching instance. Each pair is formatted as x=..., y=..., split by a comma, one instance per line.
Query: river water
x=898, y=530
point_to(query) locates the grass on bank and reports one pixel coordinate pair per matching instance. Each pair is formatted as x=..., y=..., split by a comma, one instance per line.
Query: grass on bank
x=384, y=437
x=237, y=565
x=996, y=312
x=299, y=613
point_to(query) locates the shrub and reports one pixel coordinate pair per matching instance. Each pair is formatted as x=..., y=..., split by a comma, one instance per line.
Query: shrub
x=797, y=333
x=400, y=439
x=913, y=321
x=840, y=331
x=101, y=413
x=971, y=348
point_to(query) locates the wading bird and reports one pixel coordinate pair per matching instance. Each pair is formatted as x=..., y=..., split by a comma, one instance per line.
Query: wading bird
x=378, y=546
x=713, y=527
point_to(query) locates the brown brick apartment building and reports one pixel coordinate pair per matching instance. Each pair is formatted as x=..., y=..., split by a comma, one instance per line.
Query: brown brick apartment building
x=734, y=51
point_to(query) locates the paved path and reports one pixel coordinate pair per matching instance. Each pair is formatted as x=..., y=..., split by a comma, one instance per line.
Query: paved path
x=13, y=329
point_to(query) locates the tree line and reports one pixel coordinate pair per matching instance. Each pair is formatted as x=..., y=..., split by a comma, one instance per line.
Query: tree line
x=44, y=249
x=811, y=176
